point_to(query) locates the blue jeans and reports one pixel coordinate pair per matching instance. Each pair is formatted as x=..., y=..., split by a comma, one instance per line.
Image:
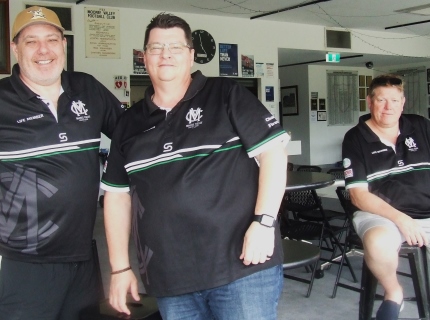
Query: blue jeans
x=252, y=297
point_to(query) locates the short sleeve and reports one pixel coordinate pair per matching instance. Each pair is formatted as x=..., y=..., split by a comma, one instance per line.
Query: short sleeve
x=257, y=128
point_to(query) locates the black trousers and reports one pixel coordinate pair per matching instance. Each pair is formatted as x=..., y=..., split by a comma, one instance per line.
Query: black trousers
x=51, y=291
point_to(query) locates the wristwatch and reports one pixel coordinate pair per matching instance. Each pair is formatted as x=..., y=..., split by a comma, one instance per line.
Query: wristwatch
x=265, y=220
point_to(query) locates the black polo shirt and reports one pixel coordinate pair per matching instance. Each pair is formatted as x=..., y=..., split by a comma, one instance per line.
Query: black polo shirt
x=49, y=169
x=399, y=177
x=193, y=182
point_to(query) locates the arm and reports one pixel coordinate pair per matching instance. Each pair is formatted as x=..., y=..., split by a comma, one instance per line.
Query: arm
x=117, y=216
x=366, y=201
x=259, y=240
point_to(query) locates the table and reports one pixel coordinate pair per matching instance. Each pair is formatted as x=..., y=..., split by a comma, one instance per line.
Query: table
x=303, y=180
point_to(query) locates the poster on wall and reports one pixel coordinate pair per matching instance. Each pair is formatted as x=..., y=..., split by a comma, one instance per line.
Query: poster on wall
x=138, y=64
x=259, y=69
x=270, y=67
x=270, y=93
x=228, y=60
x=102, y=33
x=247, y=65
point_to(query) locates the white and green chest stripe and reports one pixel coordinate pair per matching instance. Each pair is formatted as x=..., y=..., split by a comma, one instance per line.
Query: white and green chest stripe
x=181, y=154
x=49, y=150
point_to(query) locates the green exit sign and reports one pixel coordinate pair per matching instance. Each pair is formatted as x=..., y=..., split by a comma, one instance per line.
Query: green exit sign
x=332, y=57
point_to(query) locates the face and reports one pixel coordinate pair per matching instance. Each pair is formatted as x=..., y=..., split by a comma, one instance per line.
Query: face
x=40, y=52
x=167, y=66
x=386, y=106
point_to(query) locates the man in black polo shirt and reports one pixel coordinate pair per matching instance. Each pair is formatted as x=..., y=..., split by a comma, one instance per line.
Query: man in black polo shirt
x=387, y=171
x=204, y=163
x=50, y=128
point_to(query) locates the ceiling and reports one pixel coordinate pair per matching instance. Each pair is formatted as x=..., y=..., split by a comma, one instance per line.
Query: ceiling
x=399, y=16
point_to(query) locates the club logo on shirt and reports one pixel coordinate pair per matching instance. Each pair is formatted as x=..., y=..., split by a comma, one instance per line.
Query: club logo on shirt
x=348, y=173
x=410, y=143
x=78, y=108
x=346, y=162
x=194, y=118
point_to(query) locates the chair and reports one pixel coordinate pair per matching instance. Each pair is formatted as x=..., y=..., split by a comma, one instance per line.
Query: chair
x=352, y=245
x=300, y=254
x=420, y=277
x=337, y=173
x=309, y=168
x=324, y=234
x=290, y=166
x=306, y=205
x=145, y=309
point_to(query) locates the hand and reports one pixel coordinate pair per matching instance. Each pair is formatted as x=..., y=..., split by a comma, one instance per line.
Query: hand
x=258, y=244
x=119, y=285
x=411, y=230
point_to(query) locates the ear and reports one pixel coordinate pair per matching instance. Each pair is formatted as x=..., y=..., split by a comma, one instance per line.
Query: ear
x=191, y=57
x=14, y=49
x=369, y=102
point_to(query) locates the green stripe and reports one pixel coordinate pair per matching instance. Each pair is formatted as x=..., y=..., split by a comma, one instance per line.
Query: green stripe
x=265, y=141
x=185, y=158
x=49, y=154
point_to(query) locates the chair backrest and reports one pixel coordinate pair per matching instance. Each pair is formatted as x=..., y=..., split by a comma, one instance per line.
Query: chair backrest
x=345, y=201
x=337, y=173
x=290, y=166
x=309, y=168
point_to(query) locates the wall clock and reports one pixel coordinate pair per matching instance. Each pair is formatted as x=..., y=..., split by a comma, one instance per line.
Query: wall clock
x=204, y=46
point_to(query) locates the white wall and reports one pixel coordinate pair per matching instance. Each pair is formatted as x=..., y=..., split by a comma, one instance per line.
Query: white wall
x=256, y=37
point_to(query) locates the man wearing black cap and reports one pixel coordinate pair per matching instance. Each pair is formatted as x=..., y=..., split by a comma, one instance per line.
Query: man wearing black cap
x=49, y=174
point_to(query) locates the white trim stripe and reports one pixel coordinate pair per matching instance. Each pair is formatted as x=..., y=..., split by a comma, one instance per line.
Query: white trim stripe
x=397, y=170
x=45, y=149
x=170, y=155
x=105, y=187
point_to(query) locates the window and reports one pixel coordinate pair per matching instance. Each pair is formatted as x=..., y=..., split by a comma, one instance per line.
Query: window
x=4, y=37
x=415, y=90
x=342, y=100
x=363, y=90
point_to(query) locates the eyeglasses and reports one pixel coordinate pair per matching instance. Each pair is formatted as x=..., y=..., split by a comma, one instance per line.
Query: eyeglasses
x=174, y=47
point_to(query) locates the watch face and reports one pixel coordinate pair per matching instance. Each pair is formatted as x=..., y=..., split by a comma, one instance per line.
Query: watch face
x=204, y=46
x=267, y=220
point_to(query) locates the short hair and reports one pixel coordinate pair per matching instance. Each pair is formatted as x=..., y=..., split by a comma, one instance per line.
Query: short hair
x=166, y=21
x=386, y=80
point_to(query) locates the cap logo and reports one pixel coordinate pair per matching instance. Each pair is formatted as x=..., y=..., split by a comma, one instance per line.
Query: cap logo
x=37, y=14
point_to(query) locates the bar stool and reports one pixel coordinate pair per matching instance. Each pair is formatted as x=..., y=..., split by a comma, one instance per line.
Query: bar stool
x=419, y=274
x=300, y=254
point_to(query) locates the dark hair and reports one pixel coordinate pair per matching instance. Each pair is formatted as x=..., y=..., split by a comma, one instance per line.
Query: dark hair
x=386, y=80
x=166, y=21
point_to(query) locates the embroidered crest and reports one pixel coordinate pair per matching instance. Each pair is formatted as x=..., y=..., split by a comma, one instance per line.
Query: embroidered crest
x=194, y=118
x=78, y=108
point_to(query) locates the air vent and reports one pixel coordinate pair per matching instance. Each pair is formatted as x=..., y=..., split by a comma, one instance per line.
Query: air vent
x=337, y=39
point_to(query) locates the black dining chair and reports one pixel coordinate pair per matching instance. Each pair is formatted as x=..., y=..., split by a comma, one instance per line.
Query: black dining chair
x=352, y=245
x=337, y=173
x=325, y=235
x=307, y=205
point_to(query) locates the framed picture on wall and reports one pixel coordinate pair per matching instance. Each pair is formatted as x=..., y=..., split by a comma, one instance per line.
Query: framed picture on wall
x=290, y=100
x=322, y=116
